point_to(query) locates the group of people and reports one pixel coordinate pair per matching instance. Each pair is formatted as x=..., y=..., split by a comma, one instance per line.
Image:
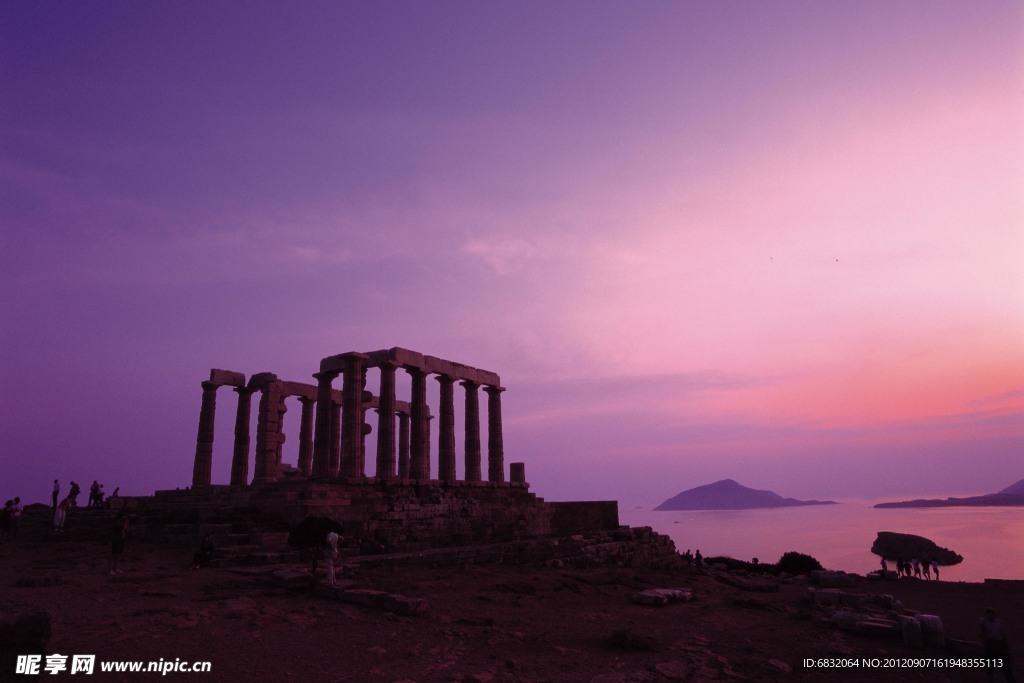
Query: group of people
x=60, y=507
x=96, y=494
x=10, y=518
x=914, y=568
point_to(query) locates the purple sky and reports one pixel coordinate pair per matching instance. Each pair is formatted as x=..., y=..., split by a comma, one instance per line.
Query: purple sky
x=778, y=242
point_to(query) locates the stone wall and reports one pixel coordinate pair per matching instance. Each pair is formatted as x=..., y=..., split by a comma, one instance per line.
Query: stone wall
x=400, y=515
x=575, y=516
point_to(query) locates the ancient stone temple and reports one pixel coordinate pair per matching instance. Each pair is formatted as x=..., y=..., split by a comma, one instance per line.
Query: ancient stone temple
x=332, y=432
x=412, y=499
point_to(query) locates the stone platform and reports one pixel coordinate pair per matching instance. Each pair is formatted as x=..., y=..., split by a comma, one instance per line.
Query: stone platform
x=392, y=515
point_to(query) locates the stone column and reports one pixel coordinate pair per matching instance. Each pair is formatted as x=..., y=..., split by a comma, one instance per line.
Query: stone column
x=426, y=439
x=495, y=443
x=240, y=458
x=419, y=454
x=269, y=437
x=446, y=431
x=203, y=464
x=334, y=465
x=403, y=445
x=386, y=422
x=305, y=463
x=472, y=453
x=324, y=416
x=352, y=416
x=517, y=472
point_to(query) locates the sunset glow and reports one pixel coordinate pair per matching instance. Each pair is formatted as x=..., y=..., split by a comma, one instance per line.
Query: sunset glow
x=777, y=242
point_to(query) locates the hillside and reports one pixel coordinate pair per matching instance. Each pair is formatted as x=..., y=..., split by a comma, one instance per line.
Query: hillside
x=1011, y=496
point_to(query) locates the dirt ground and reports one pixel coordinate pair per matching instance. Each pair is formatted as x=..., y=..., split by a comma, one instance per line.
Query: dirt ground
x=484, y=623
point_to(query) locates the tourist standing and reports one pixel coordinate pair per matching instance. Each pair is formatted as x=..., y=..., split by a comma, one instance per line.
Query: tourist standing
x=331, y=554
x=118, y=535
x=73, y=493
x=993, y=637
x=6, y=515
x=204, y=555
x=61, y=515
x=56, y=494
x=935, y=568
x=16, y=517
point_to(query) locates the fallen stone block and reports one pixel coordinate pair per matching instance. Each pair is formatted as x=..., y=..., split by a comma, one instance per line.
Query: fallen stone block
x=931, y=630
x=874, y=627
x=911, y=629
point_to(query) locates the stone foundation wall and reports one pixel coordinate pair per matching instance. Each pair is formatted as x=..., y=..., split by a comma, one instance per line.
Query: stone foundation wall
x=572, y=517
x=403, y=515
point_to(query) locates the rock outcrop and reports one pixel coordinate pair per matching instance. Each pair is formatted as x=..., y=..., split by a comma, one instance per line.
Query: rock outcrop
x=892, y=546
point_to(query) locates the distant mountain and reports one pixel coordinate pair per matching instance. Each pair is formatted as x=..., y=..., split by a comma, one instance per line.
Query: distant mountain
x=1011, y=496
x=1014, y=489
x=729, y=495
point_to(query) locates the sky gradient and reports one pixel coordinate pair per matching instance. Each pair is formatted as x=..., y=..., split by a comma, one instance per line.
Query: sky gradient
x=776, y=242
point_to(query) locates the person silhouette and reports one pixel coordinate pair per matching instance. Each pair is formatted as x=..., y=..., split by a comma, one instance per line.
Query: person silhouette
x=993, y=638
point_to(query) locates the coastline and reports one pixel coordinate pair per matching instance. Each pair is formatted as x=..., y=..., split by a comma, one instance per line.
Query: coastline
x=991, y=540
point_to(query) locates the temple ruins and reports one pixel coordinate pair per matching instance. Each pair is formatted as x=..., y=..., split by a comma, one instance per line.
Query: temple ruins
x=332, y=429
x=405, y=498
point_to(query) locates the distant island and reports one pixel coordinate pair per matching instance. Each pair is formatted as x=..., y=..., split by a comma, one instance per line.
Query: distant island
x=1012, y=495
x=729, y=495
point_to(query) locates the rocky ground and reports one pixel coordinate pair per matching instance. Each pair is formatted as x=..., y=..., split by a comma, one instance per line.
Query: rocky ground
x=482, y=623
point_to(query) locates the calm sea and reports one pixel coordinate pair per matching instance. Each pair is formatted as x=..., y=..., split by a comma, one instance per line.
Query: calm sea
x=990, y=539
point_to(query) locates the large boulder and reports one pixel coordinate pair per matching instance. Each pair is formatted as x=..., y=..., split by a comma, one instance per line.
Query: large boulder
x=892, y=546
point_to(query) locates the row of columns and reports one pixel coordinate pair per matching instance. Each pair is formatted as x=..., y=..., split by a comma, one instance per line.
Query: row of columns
x=332, y=433
x=414, y=429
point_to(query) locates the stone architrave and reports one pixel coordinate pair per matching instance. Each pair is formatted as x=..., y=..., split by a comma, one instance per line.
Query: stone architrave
x=240, y=457
x=403, y=445
x=386, y=422
x=446, y=431
x=203, y=464
x=305, y=461
x=419, y=447
x=322, y=434
x=495, y=443
x=472, y=416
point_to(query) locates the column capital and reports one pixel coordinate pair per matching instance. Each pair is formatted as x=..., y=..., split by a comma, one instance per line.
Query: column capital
x=491, y=389
x=326, y=375
x=445, y=379
x=208, y=385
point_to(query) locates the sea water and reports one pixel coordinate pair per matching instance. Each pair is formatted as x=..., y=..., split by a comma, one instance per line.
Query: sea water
x=990, y=539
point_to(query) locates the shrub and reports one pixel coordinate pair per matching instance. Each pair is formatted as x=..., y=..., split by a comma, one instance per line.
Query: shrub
x=797, y=563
